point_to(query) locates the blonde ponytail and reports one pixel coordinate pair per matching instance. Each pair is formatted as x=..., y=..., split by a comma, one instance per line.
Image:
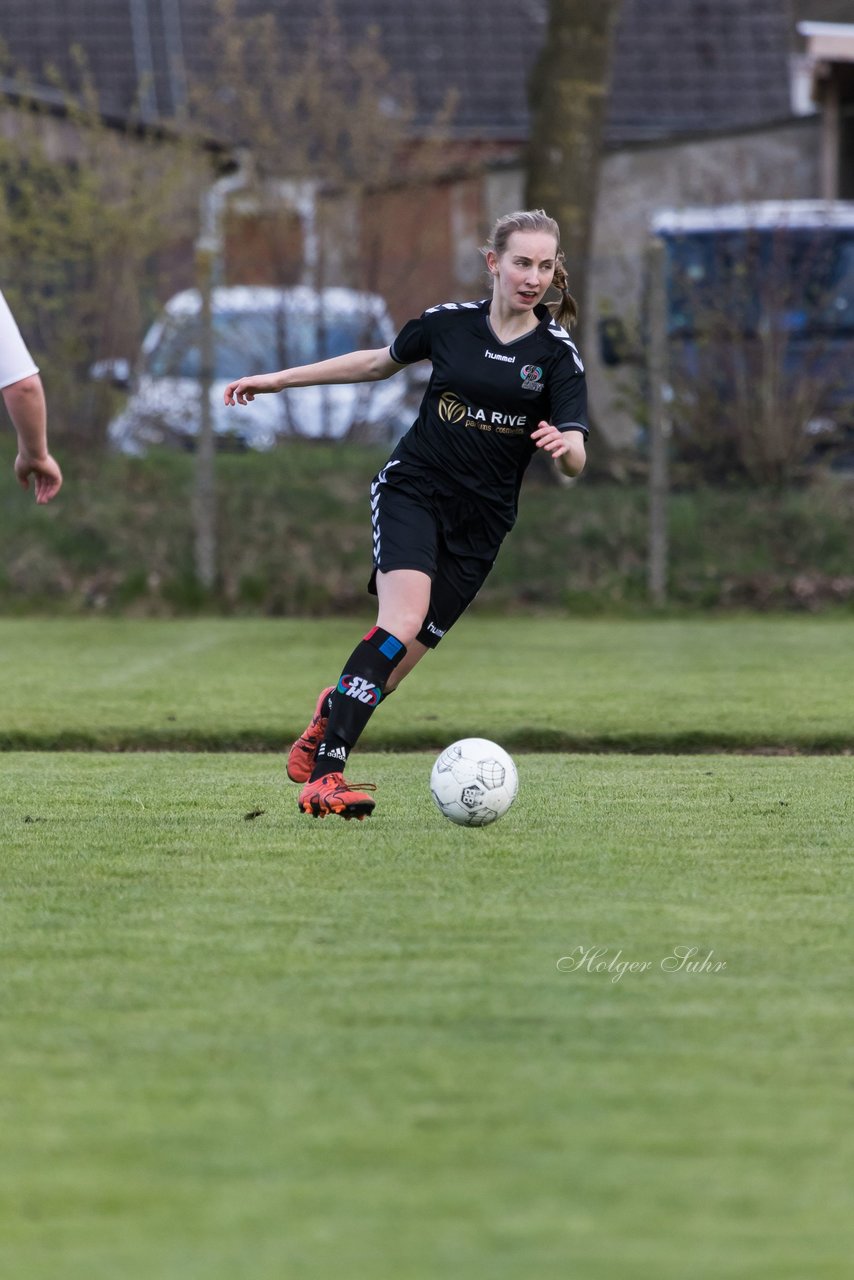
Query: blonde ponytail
x=565, y=312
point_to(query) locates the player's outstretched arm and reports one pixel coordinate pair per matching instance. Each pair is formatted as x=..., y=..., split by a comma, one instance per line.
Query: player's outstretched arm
x=356, y=366
x=566, y=448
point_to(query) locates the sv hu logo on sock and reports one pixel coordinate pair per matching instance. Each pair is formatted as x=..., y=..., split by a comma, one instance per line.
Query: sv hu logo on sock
x=359, y=688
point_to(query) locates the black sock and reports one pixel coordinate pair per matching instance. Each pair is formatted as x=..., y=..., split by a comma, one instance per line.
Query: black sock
x=357, y=695
x=327, y=705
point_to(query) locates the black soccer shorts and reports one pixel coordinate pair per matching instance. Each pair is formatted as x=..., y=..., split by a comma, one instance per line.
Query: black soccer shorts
x=417, y=525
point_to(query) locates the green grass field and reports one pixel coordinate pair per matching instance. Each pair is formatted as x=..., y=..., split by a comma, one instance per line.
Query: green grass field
x=269, y=1047
x=531, y=683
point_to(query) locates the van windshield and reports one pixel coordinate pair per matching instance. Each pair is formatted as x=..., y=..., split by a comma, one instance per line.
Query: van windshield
x=797, y=280
x=257, y=341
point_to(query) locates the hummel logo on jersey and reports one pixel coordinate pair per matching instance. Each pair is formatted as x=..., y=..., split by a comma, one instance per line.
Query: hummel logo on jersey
x=493, y=355
x=359, y=688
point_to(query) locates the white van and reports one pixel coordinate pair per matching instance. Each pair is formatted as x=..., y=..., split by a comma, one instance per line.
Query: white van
x=256, y=330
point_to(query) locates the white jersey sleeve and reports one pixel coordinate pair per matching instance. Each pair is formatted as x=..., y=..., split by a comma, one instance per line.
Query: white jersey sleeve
x=15, y=360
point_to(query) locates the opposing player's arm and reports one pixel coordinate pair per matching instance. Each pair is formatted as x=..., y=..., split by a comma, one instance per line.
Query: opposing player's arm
x=25, y=403
x=357, y=366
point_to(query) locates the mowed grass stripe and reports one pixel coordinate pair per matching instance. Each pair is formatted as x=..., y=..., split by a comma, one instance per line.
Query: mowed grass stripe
x=552, y=684
x=276, y=1046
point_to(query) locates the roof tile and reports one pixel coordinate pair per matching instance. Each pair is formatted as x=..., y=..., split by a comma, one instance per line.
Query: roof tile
x=678, y=65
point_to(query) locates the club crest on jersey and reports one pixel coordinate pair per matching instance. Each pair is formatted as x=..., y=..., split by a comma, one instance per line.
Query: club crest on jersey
x=359, y=688
x=532, y=377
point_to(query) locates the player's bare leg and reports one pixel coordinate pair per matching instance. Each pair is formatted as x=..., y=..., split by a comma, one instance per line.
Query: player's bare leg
x=404, y=598
x=414, y=653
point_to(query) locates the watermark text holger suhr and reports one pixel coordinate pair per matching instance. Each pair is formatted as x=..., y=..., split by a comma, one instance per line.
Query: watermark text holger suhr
x=602, y=960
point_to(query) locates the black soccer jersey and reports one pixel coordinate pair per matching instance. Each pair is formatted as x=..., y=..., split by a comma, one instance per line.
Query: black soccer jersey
x=485, y=397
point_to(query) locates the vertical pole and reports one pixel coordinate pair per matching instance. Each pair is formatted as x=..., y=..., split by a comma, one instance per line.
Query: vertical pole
x=204, y=497
x=209, y=264
x=830, y=135
x=659, y=425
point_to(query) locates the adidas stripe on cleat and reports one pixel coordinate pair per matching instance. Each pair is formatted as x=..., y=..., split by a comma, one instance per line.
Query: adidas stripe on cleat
x=332, y=794
x=303, y=752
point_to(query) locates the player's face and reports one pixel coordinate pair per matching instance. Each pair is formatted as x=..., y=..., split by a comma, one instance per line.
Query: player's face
x=525, y=269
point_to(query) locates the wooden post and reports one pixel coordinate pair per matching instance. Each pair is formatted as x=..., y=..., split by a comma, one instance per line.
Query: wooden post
x=659, y=425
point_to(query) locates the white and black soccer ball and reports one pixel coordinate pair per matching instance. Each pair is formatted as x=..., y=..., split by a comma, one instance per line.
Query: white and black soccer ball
x=474, y=782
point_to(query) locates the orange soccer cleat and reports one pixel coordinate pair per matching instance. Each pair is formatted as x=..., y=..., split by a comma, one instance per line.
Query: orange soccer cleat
x=302, y=753
x=332, y=794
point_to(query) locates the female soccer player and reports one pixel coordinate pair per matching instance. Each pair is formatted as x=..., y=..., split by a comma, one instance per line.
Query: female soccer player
x=507, y=380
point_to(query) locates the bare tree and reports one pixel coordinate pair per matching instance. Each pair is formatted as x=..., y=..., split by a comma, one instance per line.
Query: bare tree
x=327, y=122
x=329, y=126
x=568, y=92
x=324, y=125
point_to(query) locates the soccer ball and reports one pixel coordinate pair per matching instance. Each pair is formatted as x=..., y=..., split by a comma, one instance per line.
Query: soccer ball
x=474, y=782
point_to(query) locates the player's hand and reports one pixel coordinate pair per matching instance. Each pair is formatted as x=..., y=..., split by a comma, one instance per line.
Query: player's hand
x=554, y=442
x=566, y=448
x=246, y=389
x=47, y=477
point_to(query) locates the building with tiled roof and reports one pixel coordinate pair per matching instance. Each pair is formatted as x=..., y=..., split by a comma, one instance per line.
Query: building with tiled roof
x=698, y=66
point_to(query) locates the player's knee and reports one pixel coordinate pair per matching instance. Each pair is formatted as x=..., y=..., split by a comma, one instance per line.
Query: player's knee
x=405, y=624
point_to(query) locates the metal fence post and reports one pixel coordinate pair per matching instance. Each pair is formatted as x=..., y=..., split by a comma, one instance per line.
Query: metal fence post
x=209, y=268
x=659, y=426
x=204, y=498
